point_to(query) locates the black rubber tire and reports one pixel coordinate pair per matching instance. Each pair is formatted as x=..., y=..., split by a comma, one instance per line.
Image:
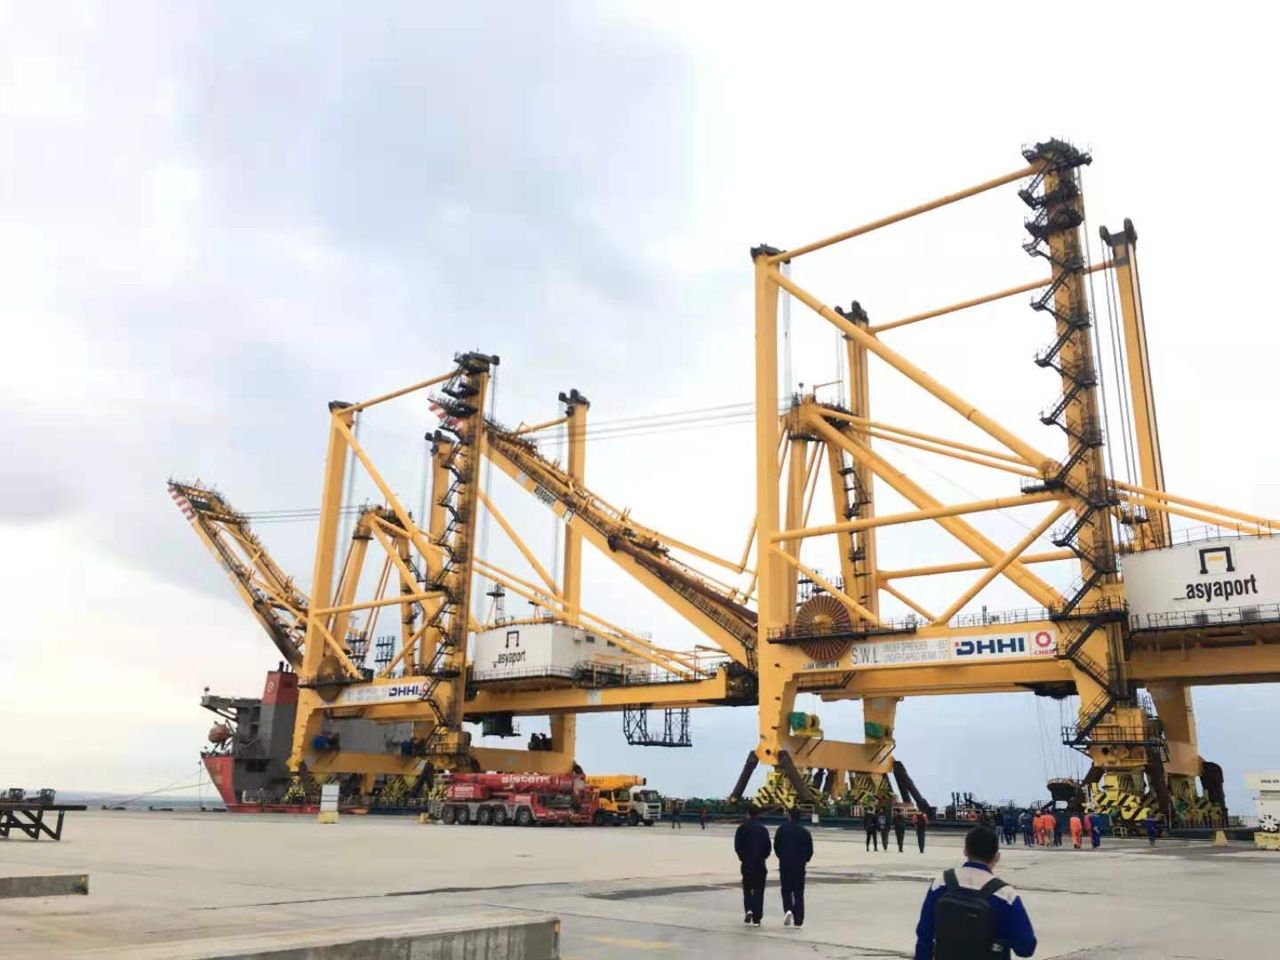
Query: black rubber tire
x=633, y=818
x=598, y=818
x=499, y=816
x=524, y=817
x=485, y=816
x=448, y=815
x=463, y=816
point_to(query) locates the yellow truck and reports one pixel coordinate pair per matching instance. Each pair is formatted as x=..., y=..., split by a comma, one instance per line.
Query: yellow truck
x=624, y=798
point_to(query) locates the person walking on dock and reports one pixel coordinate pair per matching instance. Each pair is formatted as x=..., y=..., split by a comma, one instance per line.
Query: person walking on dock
x=752, y=845
x=702, y=817
x=1024, y=820
x=883, y=820
x=899, y=827
x=921, y=820
x=1077, y=830
x=1009, y=827
x=1150, y=824
x=1094, y=822
x=794, y=847
x=869, y=824
x=675, y=816
x=969, y=912
x=1057, y=829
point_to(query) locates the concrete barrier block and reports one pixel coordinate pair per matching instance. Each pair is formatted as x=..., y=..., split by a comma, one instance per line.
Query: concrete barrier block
x=59, y=885
x=505, y=937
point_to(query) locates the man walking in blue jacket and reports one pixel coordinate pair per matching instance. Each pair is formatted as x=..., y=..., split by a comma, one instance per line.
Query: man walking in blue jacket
x=969, y=912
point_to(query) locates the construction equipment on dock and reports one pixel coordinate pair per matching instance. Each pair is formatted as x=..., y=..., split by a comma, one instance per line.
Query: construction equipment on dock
x=1152, y=609
x=517, y=799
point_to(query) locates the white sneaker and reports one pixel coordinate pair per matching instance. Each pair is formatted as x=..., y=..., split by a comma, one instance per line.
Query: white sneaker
x=787, y=918
x=747, y=918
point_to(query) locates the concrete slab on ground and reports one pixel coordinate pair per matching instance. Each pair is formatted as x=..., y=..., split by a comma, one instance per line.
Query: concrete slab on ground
x=480, y=937
x=620, y=893
x=40, y=885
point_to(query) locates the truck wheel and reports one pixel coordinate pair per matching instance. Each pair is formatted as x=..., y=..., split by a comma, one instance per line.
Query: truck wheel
x=485, y=817
x=524, y=817
x=648, y=823
x=464, y=816
x=500, y=816
x=598, y=818
x=448, y=815
x=634, y=818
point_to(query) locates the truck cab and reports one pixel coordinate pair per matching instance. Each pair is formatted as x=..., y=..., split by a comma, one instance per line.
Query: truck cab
x=623, y=798
x=645, y=806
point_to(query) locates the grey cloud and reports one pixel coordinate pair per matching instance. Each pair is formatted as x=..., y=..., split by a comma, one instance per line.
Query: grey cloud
x=32, y=494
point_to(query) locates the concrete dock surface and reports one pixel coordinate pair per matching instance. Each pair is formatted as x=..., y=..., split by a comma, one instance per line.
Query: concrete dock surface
x=619, y=892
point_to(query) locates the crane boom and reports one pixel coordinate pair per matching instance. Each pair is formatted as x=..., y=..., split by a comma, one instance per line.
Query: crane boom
x=728, y=623
x=272, y=596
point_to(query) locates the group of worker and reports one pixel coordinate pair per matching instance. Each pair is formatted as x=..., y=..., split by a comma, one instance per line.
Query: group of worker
x=1044, y=828
x=877, y=823
x=967, y=912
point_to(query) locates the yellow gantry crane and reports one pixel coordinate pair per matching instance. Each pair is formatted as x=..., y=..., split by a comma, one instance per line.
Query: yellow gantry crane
x=790, y=629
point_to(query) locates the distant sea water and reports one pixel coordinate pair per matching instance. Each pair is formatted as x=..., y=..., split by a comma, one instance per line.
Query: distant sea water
x=111, y=801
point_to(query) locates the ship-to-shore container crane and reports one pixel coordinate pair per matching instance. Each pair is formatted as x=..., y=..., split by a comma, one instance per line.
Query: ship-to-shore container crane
x=1147, y=611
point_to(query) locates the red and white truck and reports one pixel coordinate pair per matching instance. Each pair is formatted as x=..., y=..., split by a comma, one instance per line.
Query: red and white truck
x=522, y=799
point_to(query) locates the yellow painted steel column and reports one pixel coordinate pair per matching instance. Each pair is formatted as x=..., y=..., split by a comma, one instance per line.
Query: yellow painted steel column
x=564, y=728
x=339, y=621
x=1177, y=715
x=576, y=422
x=335, y=466
x=437, y=520
x=307, y=719
x=564, y=734
x=776, y=695
x=1146, y=430
x=408, y=612
x=844, y=538
x=796, y=478
x=864, y=542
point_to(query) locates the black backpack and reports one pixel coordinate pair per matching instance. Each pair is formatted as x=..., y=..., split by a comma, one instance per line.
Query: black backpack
x=964, y=923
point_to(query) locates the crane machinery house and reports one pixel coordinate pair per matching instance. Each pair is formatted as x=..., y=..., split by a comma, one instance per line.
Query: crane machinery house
x=513, y=651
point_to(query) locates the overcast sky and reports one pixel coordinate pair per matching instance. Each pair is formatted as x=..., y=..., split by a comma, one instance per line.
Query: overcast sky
x=218, y=217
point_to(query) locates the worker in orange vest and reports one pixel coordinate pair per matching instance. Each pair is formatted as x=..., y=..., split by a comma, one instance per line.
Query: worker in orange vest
x=1077, y=830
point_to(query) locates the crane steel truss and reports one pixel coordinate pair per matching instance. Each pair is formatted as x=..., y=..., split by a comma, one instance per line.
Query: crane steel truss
x=791, y=630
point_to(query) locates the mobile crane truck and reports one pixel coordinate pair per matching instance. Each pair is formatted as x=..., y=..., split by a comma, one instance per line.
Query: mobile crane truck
x=523, y=799
x=624, y=799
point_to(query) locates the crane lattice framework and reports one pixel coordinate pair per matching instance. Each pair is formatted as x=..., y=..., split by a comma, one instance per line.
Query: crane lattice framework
x=784, y=629
x=1084, y=641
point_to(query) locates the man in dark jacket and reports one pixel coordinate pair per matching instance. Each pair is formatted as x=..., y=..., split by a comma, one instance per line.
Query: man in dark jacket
x=869, y=824
x=794, y=847
x=899, y=827
x=921, y=820
x=883, y=820
x=751, y=843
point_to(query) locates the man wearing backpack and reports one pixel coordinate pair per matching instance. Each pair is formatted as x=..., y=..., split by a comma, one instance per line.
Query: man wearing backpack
x=969, y=914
